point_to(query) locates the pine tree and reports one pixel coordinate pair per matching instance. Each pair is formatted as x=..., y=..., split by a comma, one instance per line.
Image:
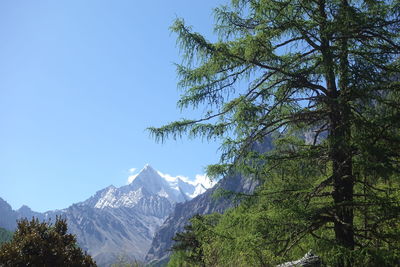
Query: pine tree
x=43, y=244
x=292, y=66
x=188, y=246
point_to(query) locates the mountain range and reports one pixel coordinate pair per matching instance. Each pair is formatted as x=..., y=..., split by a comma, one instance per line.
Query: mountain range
x=117, y=222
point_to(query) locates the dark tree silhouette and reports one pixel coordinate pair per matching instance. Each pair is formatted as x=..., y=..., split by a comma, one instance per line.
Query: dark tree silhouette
x=43, y=244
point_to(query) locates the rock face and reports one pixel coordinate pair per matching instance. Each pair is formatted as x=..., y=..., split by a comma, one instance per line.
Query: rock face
x=111, y=232
x=7, y=216
x=117, y=221
x=202, y=204
x=309, y=260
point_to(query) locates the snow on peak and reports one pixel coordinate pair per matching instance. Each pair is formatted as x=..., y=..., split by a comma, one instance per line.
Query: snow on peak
x=149, y=181
x=189, y=187
x=200, y=189
x=199, y=179
x=147, y=165
x=107, y=198
x=202, y=179
x=205, y=181
x=146, y=169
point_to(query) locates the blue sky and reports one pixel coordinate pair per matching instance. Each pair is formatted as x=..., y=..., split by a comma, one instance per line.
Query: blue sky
x=79, y=83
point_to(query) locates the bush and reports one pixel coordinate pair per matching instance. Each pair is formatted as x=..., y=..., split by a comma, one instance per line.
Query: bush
x=43, y=244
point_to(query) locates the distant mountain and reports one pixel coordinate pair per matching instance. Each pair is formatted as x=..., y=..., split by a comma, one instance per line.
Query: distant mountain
x=118, y=221
x=205, y=203
x=8, y=217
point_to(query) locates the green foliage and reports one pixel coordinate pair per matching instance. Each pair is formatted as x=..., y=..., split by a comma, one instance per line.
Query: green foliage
x=188, y=242
x=328, y=68
x=179, y=258
x=189, y=246
x=271, y=227
x=43, y=244
x=5, y=235
x=124, y=262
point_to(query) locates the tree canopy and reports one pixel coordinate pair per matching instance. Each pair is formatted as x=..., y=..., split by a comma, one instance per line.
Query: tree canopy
x=37, y=243
x=324, y=69
x=5, y=235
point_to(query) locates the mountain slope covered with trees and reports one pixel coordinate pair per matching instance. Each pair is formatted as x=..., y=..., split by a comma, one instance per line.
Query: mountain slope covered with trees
x=5, y=235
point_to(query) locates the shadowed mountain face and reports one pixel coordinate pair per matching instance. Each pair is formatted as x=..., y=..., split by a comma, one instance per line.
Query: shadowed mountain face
x=116, y=221
x=202, y=204
x=9, y=217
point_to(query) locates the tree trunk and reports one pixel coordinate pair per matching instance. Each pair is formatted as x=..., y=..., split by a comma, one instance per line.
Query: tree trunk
x=343, y=183
x=340, y=133
x=340, y=140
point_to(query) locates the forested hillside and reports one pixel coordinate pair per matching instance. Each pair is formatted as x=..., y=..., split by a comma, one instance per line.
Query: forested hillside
x=5, y=235
x=282, y=68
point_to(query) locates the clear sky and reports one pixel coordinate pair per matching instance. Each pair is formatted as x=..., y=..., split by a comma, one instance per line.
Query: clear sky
x=80, y=80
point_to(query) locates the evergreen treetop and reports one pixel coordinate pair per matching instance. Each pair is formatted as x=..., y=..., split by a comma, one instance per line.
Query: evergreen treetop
x=37, y=243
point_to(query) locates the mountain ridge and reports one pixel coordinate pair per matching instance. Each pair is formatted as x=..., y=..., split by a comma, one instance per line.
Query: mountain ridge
x=116, y=221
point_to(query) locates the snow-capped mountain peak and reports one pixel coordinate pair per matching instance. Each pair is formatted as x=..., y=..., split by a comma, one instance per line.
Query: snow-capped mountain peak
x=148, y=168
x=148, y=182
